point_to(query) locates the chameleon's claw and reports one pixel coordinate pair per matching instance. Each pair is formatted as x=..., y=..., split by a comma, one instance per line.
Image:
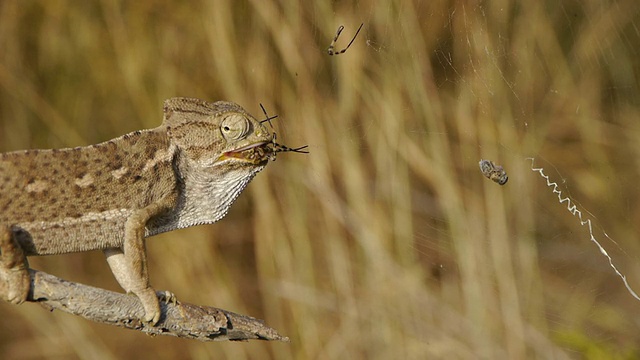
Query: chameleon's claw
x=167, y=296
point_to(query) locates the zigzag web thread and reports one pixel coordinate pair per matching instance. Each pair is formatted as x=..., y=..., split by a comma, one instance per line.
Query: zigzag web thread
x=573, y=209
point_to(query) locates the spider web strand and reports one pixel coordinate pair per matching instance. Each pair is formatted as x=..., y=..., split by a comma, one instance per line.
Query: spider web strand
x=573, y=209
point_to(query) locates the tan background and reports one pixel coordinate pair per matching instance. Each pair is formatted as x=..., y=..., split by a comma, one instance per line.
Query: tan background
x=385, y=241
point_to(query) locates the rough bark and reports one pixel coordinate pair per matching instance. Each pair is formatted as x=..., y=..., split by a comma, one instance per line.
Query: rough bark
x=182, y=320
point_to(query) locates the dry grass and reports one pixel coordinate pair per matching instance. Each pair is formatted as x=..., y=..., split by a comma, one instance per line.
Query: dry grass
x=386, y=241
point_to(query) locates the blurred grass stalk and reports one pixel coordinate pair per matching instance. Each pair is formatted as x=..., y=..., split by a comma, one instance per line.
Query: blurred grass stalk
x=386, y=241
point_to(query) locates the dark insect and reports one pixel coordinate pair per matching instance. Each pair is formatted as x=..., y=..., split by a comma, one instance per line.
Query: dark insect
x=259, y=153
x=269, y=118
x=494, y=172
x=272, y=149
x=330, y=50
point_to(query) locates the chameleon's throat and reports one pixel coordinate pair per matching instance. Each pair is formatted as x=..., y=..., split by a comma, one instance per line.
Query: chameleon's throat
x=205, y=195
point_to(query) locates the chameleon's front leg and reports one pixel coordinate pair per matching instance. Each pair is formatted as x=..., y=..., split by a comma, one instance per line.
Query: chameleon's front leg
x=129, y=264
x=14, y=275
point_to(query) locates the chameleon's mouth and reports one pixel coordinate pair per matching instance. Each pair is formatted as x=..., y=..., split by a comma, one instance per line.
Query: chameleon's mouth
x=261, y=152
x=257, y=153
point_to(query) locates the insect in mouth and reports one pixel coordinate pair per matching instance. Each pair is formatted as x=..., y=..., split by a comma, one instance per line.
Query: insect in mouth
x=330, y=50
x=493, y=172
x=274, y=147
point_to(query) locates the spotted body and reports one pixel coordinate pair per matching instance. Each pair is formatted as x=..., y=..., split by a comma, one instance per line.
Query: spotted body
x=112, y=195
x=493, y=172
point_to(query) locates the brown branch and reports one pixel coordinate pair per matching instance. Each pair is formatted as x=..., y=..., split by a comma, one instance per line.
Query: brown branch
x=182, y=320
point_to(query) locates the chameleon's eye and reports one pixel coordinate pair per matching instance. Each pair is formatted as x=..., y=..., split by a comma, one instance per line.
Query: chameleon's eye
x=235, y=126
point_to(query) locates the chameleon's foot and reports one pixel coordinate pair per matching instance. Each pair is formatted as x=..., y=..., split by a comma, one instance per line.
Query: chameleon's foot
x=151, y=302
x=151, y=305
x=167, y=296
x=14, y=275
x=19, y=283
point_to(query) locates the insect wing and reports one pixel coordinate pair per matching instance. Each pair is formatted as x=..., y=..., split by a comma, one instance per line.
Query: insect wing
x=493, y=172
x=486, y=167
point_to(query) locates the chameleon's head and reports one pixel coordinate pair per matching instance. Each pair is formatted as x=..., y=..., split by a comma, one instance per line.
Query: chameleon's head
x=217, y=135
x=218, y=149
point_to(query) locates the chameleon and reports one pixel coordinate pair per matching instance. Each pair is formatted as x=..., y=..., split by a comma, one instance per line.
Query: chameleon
x=112, y=195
